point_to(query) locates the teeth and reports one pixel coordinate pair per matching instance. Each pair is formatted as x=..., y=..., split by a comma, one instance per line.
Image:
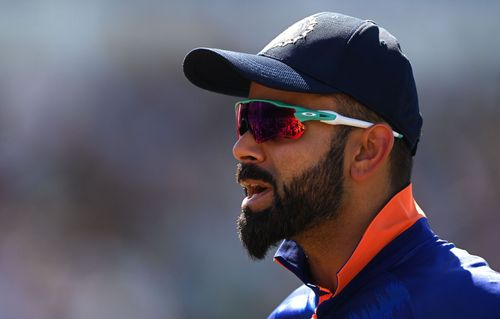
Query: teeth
x=252, y=189
x=248, y=191
x=255, y=189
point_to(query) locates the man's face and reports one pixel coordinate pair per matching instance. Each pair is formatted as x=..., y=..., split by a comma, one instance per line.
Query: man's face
x=291, y=185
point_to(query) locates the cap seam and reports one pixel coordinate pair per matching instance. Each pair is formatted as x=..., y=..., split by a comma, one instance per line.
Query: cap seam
x=361, y=26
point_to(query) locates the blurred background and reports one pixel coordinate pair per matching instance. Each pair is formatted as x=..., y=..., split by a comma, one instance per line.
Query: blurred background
x=117, y=192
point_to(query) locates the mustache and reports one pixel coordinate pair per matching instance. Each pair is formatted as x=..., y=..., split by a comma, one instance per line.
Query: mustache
x=252, y=171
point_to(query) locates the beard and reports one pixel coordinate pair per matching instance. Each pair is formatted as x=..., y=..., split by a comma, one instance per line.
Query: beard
x=309, y=199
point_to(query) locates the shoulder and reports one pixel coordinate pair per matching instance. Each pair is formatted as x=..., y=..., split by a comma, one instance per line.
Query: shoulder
x=437, y=280
x=445, y=281
x=301, y=303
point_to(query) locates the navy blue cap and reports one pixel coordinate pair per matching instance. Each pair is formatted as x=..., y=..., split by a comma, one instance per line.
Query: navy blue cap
x=323, y=53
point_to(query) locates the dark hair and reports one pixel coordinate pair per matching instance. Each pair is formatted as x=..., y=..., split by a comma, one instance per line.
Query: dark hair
x=400, y=158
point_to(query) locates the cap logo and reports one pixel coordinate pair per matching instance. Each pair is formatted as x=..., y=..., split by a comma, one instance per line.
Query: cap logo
x=294, y=33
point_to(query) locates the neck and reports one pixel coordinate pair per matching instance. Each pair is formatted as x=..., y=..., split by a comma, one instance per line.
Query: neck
x=329, y=245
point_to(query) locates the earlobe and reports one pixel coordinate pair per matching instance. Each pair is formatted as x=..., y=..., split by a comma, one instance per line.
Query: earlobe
x=375, y=145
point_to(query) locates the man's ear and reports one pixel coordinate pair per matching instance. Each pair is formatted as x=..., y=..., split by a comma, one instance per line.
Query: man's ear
x=372, y=151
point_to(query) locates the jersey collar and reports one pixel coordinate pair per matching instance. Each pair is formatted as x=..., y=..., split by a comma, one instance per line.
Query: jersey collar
x=399, y=214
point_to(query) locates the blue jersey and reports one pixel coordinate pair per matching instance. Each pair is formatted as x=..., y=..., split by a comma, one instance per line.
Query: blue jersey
x=414, y=275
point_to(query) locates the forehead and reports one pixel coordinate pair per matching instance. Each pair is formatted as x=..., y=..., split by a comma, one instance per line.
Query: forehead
x=308, y=100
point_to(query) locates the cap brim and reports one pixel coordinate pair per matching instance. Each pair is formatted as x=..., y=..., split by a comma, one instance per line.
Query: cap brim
x=230, y=73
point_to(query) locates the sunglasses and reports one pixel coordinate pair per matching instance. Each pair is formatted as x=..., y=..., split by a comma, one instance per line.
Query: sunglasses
x=267, y=119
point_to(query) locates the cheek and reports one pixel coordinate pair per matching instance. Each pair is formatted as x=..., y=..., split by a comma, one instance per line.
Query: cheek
x=293, y=165
x=291, y=162
x=290, y=158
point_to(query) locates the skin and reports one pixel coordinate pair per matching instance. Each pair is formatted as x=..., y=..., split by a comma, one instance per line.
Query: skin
x=366, y=178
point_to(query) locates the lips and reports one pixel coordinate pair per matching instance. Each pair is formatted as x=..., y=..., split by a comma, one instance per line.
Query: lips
x=258, y=195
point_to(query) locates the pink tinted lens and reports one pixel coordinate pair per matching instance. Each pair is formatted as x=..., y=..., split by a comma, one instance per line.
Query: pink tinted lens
x=267, y=121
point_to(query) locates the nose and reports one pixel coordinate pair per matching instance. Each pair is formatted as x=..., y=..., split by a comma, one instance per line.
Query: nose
x=247, y=150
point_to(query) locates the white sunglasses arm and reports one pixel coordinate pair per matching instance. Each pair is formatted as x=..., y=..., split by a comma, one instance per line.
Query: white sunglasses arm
x=342, y=120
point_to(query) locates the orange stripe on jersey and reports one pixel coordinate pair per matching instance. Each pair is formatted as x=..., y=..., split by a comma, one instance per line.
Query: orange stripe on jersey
x=399, y=214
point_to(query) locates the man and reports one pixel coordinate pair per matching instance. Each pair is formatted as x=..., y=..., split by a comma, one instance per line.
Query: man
x=326, y=140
